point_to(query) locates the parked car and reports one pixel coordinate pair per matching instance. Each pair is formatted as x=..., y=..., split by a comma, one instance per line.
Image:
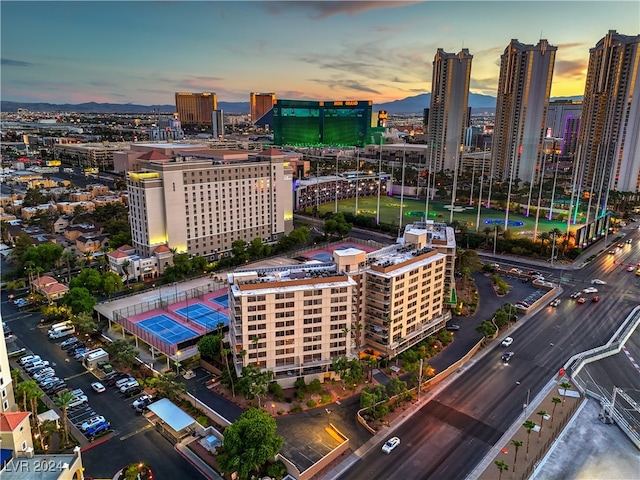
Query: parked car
x=124, y=380
x=453, y=328
x=131, y=390
x=28, y=358
x=98, y=387
x=142, y=402
x=69, y=342
x=101, y=427
x=125, y=386
x=77, y=401
x=53, y=387
x=33, y=366
x=111, y=381
x=44, y=373
x=92, y=422
x=390, y=444
x=48, y=381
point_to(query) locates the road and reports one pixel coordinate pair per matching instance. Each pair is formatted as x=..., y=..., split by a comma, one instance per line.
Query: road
x=450, y=434
x=133, y=440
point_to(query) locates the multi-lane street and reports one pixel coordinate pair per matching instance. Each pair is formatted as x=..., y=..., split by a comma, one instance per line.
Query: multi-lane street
x=451, y=433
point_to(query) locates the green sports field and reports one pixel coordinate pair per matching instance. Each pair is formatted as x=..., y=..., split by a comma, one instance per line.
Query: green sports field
x=413, y=210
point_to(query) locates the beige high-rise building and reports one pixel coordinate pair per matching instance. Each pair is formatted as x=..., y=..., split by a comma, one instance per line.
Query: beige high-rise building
x=524, y=86
x=295, y=320
x=196, y=108
x=201, y=203
x=609, y=134
x=7, y=400
x=448, y=107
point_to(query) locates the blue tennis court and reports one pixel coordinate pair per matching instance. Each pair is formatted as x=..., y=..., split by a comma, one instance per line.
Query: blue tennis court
x=323, y=257
x=222, y=300
x=167, y=329
x=203, y=315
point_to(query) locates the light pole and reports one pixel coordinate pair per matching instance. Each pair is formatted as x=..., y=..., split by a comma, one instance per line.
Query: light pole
x=177, y=363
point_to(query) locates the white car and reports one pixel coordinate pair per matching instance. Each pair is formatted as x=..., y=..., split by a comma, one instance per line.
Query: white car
x=597, y=281
x=507, y=341
x=142, y=402
x=98, y=387
x=77, y=401
x=390, y=444
x=590, y=290
x=555, y=303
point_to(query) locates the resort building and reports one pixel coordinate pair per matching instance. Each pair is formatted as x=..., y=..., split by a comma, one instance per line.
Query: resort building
x=295, y=320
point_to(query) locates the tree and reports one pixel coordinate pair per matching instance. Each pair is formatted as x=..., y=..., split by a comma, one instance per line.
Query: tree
x=111, y=283
x=63, y=400
x=79, y=300
x=44, y=256
x=84, y=323
x=501, y=467
x=167, y=387
x=225, y=353
x=486, y=329
x=528, y=425
x=125, y=269
x=565, y=386
x=254, y=383
x=209, y=346
x=337, y=225
x=68, y=258
x=542, y=414
x=89, y=279
x=249, y=442
x=517, y=444
x=123, y=352
x=556, y=401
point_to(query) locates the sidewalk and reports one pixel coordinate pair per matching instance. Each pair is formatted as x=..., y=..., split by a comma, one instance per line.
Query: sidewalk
x=521, y=462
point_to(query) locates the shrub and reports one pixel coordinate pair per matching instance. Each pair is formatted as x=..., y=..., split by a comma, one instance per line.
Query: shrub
x=203, y=420
x=296, y=408
x=314, y=387
x=276, y=390
x=277, y=470
x=326, y=398
x=312, y=403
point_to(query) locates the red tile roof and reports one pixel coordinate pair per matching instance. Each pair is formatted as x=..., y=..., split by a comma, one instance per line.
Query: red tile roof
x=117, y=254
x=43, y=281
x=272, y=152
x=9, y=421
x=153, y=155
x=55, y=288
x=162, y=249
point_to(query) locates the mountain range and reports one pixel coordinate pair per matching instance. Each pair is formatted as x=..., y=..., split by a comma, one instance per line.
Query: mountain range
x=415, y=104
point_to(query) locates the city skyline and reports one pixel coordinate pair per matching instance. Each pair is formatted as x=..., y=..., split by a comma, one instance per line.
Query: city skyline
x=143, y=52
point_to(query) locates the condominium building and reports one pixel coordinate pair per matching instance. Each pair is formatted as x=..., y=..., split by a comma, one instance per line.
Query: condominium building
x=609, y=137
x=196, y=108
x=524, y=86
x=201, y=203
x=295, y=320
x=448, y=107
x=7, y=401
x=261, y=104
x=563, y=121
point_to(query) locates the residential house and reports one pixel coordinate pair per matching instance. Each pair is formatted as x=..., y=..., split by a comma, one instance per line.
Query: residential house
x=72, y=232
x=91, y=243
x=60, y=223
x=15, y=433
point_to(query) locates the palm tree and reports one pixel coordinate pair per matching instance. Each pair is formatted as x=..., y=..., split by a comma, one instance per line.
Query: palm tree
x=542, y=414
x=63, y=400
x=565, y=386
x=23, y=390
x=47, y=429
x=357, y=327
x=125, y=268
x=68, y=257
x=15, y=375
x=501, y=467
x=225, y=352
x=528, y=425
x=544, y=236
x=517, y=444
x=556, y=401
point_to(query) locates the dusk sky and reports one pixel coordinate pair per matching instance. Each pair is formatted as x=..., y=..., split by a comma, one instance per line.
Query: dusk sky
x=143, y=52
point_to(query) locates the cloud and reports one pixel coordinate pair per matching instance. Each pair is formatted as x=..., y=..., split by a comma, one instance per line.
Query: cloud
x=486, y=86
x=15, y=63
x=570, y=68
x=347, y=84
x=325, y=9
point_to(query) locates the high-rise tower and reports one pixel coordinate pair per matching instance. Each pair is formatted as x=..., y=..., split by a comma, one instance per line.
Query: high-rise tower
x=196, y=108
x=448, y=108
x=609, y=135
x=260, y=105
x=523, y=95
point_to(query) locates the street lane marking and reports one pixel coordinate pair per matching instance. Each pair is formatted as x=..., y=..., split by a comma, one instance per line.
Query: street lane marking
x=135, y=432
x=76, y=375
